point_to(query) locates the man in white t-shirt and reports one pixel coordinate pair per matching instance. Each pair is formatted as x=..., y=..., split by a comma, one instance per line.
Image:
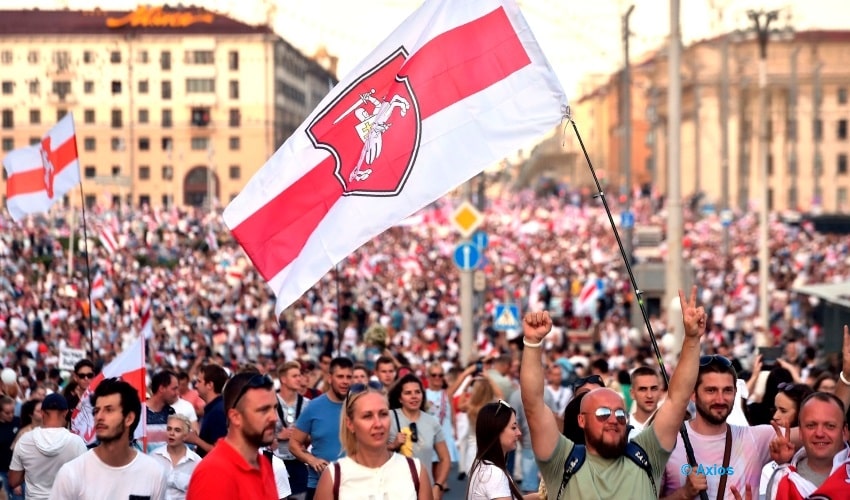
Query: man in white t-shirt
x=40, y=453
x=113, y=469
x=645, y=389
x=560, y=395
x=714, y=396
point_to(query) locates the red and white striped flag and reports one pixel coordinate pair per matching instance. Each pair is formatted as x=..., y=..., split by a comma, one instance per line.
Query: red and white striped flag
x=98, y=287
x=147, y=321
x=40, y=174
x=454, y=89
x=129, y=365
x=212, y=242
x=107, y=239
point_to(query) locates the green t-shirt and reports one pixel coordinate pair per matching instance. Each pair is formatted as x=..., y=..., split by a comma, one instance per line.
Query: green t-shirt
x=605, y=479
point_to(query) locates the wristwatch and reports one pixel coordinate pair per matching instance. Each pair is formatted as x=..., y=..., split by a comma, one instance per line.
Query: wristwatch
x=438, y=485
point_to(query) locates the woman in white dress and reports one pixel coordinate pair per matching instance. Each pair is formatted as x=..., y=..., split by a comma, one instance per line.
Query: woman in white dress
x=369, y=470
x=497, y=434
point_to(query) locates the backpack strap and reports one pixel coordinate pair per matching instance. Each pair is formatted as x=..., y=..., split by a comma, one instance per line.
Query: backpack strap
x=637, y=454
x=279, y=408
x=413, y=474
x=574, y=462
x=397, y=424
x=336, y=480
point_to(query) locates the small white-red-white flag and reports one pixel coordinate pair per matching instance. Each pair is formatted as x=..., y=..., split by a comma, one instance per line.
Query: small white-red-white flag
x=129, y=366
x=40, y=174
x=108, y=240
x=454, y=89
x=98, y=287
x=147, y=321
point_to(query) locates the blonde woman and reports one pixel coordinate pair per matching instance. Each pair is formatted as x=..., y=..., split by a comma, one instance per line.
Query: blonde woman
x=176, y=458
x=481, y=391
x=370, y=470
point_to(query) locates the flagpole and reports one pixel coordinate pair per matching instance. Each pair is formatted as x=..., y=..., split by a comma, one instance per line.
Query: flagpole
x=73, y=231
x=88, y=270
x=338, y=313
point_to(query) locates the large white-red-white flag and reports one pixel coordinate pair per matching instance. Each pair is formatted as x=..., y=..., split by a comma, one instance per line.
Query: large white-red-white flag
x=40, y=174
x=129, y=366
x=454, y=89
x=98, y=287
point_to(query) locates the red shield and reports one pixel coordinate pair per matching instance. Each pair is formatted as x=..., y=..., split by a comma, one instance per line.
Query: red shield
x=372, y=129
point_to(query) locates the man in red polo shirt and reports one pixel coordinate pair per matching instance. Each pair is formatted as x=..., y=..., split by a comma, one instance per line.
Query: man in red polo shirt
x=234, y=468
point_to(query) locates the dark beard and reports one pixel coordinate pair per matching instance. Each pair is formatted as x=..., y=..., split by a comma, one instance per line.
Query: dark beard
x=607, y=450
x=710, y=418
x=256, y=438
x=117, y=436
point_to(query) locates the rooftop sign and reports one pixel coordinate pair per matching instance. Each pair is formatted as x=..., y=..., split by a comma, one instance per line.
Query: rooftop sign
x=156, y=17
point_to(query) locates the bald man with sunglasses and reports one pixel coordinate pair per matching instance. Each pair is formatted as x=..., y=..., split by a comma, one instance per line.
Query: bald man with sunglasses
x=607, y=471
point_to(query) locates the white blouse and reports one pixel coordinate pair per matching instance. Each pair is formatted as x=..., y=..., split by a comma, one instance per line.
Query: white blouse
x=393, y=480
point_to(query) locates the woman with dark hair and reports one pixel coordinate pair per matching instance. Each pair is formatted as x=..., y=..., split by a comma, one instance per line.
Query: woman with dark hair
x=825, y=383
x=762, y=413
x=415, y=433
x=496, y=433
x=786, y=413
x=30, y=418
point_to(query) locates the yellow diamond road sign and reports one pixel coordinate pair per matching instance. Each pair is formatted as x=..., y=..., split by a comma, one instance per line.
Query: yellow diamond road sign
x=467, y=218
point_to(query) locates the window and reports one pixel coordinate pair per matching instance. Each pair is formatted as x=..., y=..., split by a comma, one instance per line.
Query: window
x=167, y=144
x=166, y=201
x=6, y=57
x=116, y=87
x=34, y=87
x=841, y=198
x=89, y=171
x=144, y=144
x=144, y=116
x=842, y=95
x=199, y=57
x=842, y=130
x=8, y=87
x=167, y=172
x=116, y=170
x=35, y=140
x=792, y=197
x=234, y=89
x=200, y=117
x=167, y=121
x=841, y=168
x=166, y=89
x=792, y=165
x=200, y=85
x=817, y=130
x=200, y=143
x=8, y=145
x=8, y=119
x=117, y=121
x=117, y=144
x=89, y=144
x=143, y=56
x=234, y=172
x=61, y=88
x=60, y=113
x=32, y=57
x=791, y=129
x=143, y=86
x=233, y=60
x=769, y=164
x=115, y=57
x=91, y=200
x=88, y=87
x=144, y=172
x=144, y=199
x=234, y=117
x=165, y=60
x=88, y=57
x=234, y=143
x=35, y=116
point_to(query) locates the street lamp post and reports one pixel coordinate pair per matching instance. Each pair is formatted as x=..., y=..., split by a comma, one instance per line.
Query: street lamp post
x=761, y=21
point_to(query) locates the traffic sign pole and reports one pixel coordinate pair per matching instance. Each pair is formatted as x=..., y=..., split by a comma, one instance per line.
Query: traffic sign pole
x=467, y=336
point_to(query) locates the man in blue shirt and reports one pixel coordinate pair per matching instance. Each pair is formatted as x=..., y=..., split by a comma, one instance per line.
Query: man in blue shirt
x=319, y=425
x=211, y=380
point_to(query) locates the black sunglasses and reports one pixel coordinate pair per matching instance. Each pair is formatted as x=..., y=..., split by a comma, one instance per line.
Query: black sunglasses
x=715, y=358
x=604, y=413
x=356, y=389
x=258, y=381
x=414, y=432
x=785, y=386
x=89, y=375
x=592, y=379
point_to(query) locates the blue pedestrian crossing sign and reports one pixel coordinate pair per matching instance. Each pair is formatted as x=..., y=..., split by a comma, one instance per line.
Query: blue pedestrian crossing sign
x=506, y=317
x=467, y=256
x=479, y=238
x=627, y=220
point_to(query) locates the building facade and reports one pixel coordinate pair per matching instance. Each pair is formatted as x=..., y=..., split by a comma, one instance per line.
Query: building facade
x=808, y=80
x=170, y=105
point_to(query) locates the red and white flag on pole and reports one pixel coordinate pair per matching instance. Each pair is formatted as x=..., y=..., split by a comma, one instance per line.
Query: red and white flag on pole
x=107, y=239
x=129, y=366
x=40, y=174
x=98, y=287
x=454, y=89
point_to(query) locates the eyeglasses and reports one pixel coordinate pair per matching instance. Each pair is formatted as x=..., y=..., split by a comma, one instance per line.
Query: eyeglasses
x=604, y=413
x=414, y=432
x=592, y=379
x=785, y=386
x=356, y=389
x=258, y=381
x=436, y=375
x=88, y=375
x=715, y=358
x=502, y=403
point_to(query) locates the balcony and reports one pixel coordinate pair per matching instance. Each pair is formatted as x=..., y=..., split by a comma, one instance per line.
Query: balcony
x=61, y=99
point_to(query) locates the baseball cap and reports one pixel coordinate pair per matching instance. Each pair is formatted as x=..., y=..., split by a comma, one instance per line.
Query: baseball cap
x=54, y=401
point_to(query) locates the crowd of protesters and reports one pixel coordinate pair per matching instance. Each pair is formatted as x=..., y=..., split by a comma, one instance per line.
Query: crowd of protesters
x=392, y=309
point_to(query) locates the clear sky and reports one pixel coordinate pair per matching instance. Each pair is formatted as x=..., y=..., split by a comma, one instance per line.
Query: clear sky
x=579, y=37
